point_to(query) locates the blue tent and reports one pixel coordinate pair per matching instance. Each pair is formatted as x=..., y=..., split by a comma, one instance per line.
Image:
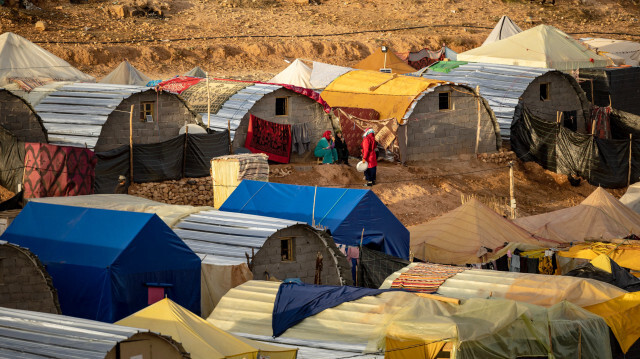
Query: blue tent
x=344, y=211
x=107, y=264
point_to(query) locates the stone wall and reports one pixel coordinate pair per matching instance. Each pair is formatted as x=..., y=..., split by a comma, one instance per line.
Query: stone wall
x=19, y=119
x=170, y=114
x=24, y=282
x=307, y=243
x=563, y=96
x=432, y=133
x=187, y=191
x=301, y=109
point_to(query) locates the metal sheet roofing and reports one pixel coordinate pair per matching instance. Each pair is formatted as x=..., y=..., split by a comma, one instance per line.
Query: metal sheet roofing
x=223, y=238
x=234, y=109
x=26, y=334
x=74, y=114
x=500, y=85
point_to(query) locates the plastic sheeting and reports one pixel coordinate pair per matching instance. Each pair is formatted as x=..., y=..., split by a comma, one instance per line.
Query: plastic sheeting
x=11, y=161
x=602, y=162
x=102, y=261
x=598, y=217
x=346, y=212
x=374, y=267
x=626, y=255
x=201, y=339
x=388, y=60
x=295, y=302
x=182, y=156
x=20, y=58
x=621, y=315
x=323, y=74
x=610, y=273
x=126, y=74
x=542, y=46
x=390, y=95
x=479, y=328
x=456, y=237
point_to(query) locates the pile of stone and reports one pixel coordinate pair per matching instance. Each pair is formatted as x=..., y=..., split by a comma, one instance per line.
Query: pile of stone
x=143, y=8
x=187, y=191
x=502, y=157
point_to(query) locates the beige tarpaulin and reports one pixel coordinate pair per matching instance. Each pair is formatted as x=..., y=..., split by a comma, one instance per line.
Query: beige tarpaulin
x=388, y=60
x=201, y=339
x=477, y=327
x=542, y=46
x=631, y=197
x=296, y=74
x=599, y=217
x=621, y=52
x=457, y=237
x=126, y=74
x=22, y=59
x=216, y=280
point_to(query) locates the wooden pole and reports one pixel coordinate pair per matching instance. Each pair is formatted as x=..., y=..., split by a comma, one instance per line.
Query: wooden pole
x=358, y=261
x=512, y=191
x=630, y=148
x=229, y=136
x=208, y=102
x=479, y=117
x=131, y=145
x=184, y=150
x=593, y=101
x=313, y=211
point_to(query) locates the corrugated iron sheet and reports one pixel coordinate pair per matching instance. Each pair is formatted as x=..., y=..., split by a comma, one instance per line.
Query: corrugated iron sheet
x=74, y=114
x=26, y=334
x=223, y=238
x=500, y=85
x=234, y=109
x=309, y=349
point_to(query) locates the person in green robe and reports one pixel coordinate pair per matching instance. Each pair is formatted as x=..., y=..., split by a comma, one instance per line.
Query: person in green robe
x=325, y=149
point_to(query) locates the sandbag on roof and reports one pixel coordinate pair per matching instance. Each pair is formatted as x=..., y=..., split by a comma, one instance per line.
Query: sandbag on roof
x=22, y=59
x=199, y=337
x=389, y=60
x=457, y=236
x=126, y=74
x=600, y=216
x=296, y=74
x=503, y=29
x=542, y=46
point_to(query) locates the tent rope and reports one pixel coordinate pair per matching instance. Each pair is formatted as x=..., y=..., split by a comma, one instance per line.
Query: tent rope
x=332, y=207
x=250, y=198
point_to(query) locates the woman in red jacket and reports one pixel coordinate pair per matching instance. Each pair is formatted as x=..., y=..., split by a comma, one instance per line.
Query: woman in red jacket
x=369, y=155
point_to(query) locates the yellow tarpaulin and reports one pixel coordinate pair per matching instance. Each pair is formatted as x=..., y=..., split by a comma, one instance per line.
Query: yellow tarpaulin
x=626, y=255
x=390, y=95
x=377, y=60
x=199, y=337
x=621, y=314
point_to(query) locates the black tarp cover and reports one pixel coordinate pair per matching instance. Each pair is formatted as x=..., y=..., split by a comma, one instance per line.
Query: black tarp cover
x=618, y=276
x=376, y=266
x=11, y=161
x=162, y=161
x=602, y=162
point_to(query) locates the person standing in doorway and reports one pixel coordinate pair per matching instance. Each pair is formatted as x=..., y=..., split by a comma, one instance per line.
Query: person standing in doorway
x=369, y=155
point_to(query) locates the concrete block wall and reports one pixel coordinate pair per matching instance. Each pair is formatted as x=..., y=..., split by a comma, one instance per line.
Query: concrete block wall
x=301, y=109
x=307, y=243
x=24, y=283
x=18, y=118
x=434, y=133
x=170, y=114
x=563, y=96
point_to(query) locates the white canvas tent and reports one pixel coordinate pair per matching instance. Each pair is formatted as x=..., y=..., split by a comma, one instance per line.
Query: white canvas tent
x=22, y=59
x=126, y=74
x=543, y=46
x=296, y=74
x=620, y=52
x=503, y=29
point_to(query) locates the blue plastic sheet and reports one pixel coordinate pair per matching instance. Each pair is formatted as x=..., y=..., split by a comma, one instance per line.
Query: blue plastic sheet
x=100, y=260
x=346, y=212
x=295, y=302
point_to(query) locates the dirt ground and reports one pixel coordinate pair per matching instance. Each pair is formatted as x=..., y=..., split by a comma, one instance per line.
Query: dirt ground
x=421, y=191
x=254, y=37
